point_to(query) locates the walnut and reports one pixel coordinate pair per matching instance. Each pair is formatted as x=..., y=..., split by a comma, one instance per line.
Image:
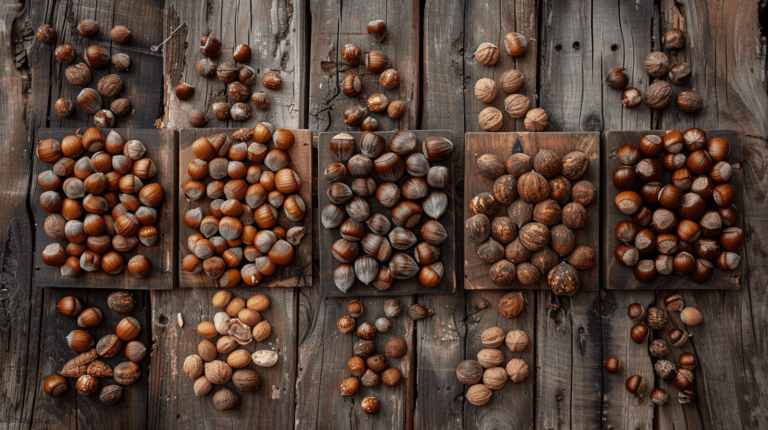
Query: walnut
x=110, y=85
x=479, y=394
x=517, y=105
x=489, y=357
x=486, y=90
x=536, y=120
x=487, y=54
x=495, y=378
x=511, y=305
x=217, y=371
x=516, y=340
x=492, y=337
x=490, y=119
x=512, y=81
x=517, y=370
x=658, y=95
x=656, y=64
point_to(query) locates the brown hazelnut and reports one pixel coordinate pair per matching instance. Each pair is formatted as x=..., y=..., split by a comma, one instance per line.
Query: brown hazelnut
x=350, y=54
x=120, y=34
x=65, y=54
x=689, y=101
x=679, y=74
x=631, y=97
x=616, y=79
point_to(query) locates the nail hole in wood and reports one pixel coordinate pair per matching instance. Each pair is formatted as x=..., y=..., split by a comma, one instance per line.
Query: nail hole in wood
x=163, y=320
x=614, y=47
x=576, y=45
x=558, y=47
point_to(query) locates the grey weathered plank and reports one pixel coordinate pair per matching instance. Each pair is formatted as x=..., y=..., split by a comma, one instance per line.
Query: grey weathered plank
x=172, y=401
x=726, y=71
x=440, y=343
x=274, y=30
x=337, y=23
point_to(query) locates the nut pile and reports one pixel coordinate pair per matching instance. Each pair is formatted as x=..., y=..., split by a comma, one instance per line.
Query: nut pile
x=546, y=204
x=486, y=373
x=516, y=104
x=352, y=86
x=657, y=318
x=656, y=65
x=239, y=324
x=88, y=366
x=238, y=81
x=675, y=189
x=108, y=207
x=239, y=237
x=370, y=367
x=406, y=183
x=95, y=57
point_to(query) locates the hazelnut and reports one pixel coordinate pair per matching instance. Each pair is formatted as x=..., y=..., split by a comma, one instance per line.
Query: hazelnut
x=350, y=54
x=46, y=34
x=389, y=79
x=616, y=78
x=689, y=101
x=680, y=73
x=65, y=54
x=120, y=34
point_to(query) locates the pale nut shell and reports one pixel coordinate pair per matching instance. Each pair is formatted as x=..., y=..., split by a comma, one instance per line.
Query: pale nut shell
x=516, y=340
x=193, y=366
x=264, y=358
x=221, y=322
x=240, y=332
x=492, y=337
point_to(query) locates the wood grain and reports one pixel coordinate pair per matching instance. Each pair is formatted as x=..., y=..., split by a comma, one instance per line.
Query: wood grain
x=619, y=276
x=327, y=237
x=503, y=144
x=299, y=272
x=162, y=149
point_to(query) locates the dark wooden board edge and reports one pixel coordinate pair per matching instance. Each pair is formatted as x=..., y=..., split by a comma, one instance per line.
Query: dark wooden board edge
x=619, y=277
x=328, y=237
x=478, y=144
x=298, y=273
x=162, y=148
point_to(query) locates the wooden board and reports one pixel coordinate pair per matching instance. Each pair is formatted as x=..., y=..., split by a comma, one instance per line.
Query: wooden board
x=618, y=276
x=162, y=149
x=299, y=272
x=503, y=145
x=327, y=236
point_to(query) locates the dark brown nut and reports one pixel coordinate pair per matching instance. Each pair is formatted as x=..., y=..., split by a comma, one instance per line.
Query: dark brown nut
x=562, y=239
x=63, y=107
x=516, y=253
x=490, y=251
x=88, y=27
x=240, y=112
x=545, y=259
x=64, y=54
x=104, y=119
x=680, y=73
x=206, y=68
x=197, y=118
x=376, y=61
x=108, y=346
x=656, y=64
x=582, y=258
x=689, y=101
x=547, y=212
x=483, y=203
x=616, y=78
x=511, y=305
x=272, y=80
x=674, y=39
x=121, y=61
x=226, y=72
x=563, y=279
x=584, y=193
x=575, y=165
x=126, y=373
x=210, y=46
x=533, y=187
x=96, y=56
x=504, y=230
x=658, y=95
x=631, y=97
x=121, y=302
x=242, y=53
x=46, y=34
x=364, y=348
x=110, y=85
x=238, y=91
x=260, y=100
x=491, y=166
x=111, y=394
x=350, y=54
x=120, y=107
x=89, y=101
x=574, y=216
x=120, y=34
x=527, y=273
x=78, y=74
x=351, y=85
x=534, y=236
x=478, y=227
x=505, y=189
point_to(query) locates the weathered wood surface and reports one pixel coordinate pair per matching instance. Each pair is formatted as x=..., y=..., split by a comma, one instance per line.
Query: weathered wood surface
x=299, y=272
x=162, y=149
x=328, y=236
x=571, y=336
x=620, y=277
x=504, y=145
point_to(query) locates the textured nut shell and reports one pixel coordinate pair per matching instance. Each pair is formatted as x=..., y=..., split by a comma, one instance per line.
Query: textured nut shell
x=264, y=358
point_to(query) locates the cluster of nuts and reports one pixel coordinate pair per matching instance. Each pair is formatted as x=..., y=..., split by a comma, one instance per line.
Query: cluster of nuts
x=238, y=325
x=528, y=240
x=676, y=190
x=108, y=205
x=352, y=86
x=517, y=105
x=237, y=79
x=420, y=192
x=656, y=64
x=87, y=366
x=371, y=368
x=656, y=319
x=95, y=57
x=486, y=373
x=246, y=185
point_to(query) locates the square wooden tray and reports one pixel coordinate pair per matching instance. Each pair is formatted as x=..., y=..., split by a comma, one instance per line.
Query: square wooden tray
x=162, y=149
x=298, y=273
x=328, y=236
x=620, y=277
x=504, y=145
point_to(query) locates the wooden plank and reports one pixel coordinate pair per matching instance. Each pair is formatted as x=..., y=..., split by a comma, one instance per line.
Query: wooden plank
x=336, y=24
x=441, y=341
x=297, y=274
x=162, y=149
x=173, y=403
x=511, y=406
x=725, y=73
x=619, y=276
x=323, y=356
x=272, y=28
x=502, y=145
x=327, y=236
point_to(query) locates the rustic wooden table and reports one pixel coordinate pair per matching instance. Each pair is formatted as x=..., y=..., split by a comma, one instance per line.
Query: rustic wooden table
x=572, y=46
